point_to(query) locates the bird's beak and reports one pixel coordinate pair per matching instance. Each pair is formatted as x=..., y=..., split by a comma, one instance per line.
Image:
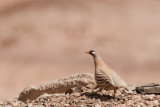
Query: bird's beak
x=87, y=52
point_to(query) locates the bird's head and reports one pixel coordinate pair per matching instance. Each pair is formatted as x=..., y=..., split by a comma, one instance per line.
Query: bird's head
x=92, y=52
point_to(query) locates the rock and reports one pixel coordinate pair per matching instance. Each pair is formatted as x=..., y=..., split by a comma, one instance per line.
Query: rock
x=81, y=105
x=8, y=106
x=153, y=88
x=97, y=105
x=147, y=102
x=73, y=90
x=66, y=105
x=30, y=105
x=136, y=97
x=38, y=106
x=155, y=103
x=141, y=105
x=83, y=97
x=14, y=103
x=148, y=97
x=77, y=94
x=122, y=105
x=131, y=87
x=90, y=86
x=129, y=92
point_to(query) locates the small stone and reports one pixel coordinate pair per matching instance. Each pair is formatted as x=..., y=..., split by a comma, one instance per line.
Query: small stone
x=131, y=87
x=121, y=101
x=157, y=97
x=66, y=105
x=83, y=98
x=148, y=97
x=141, y=104
x=142, y=101
x=147, y=102
x=22, y=104
x=8, y=106
x=73, y=90
x=81, y=105
x=155, y=103
x=76, y=94
x=130, y=96
x=129, y=92
x=122, y=105
x=30, y=105
x=14, y=103
x=137, y=97
x=130, y=103
x=90, y=86
x=97, y=105
x=38, y=106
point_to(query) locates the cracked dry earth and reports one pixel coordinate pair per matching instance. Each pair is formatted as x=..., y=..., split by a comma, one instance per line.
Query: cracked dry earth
x=89, y=97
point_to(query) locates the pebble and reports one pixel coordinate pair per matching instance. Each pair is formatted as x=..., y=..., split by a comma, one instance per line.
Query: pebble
x=14, y=103
x=38, y=106
x=97, y=105
x=83, y=97
x=81, y=105
x=30, y=105
x=122, y=105
x=148, y=97
x=141, y=104
x=77, y=94
x=136, y=97
x=8, y=106
x=130, y=103
x=66, y=105
x=155, y=103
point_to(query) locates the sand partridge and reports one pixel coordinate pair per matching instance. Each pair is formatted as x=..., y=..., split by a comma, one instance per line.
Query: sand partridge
x=105, y=77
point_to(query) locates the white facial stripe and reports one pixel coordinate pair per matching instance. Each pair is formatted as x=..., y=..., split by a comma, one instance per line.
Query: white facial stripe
x=93, y=52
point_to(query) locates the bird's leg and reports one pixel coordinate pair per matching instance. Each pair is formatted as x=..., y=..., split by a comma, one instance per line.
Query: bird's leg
x=100, y=89
x=97, y=89
x=124, y=90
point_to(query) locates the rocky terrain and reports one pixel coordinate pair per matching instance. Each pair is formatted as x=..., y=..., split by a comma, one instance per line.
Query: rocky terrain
x=79, y=93
x=86, y=98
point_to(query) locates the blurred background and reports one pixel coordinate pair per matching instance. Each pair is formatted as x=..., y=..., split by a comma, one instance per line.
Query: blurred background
x=44, y=40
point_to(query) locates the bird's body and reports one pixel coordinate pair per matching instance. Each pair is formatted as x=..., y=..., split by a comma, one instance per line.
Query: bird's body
x=105, y=77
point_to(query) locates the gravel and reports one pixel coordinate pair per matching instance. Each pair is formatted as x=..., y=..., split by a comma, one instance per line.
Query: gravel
x=87, y=96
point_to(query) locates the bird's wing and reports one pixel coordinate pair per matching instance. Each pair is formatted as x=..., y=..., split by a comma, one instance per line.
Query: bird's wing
x=107, y=77
x=118, y=82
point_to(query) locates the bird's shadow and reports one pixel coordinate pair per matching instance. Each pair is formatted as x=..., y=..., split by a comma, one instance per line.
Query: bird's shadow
x=98, y=96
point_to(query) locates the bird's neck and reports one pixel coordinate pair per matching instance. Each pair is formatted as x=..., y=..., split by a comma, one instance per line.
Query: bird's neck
x=100, y=64
x=98, y=61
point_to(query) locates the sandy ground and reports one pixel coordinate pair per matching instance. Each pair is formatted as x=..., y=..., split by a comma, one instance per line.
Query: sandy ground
x=44, y=40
